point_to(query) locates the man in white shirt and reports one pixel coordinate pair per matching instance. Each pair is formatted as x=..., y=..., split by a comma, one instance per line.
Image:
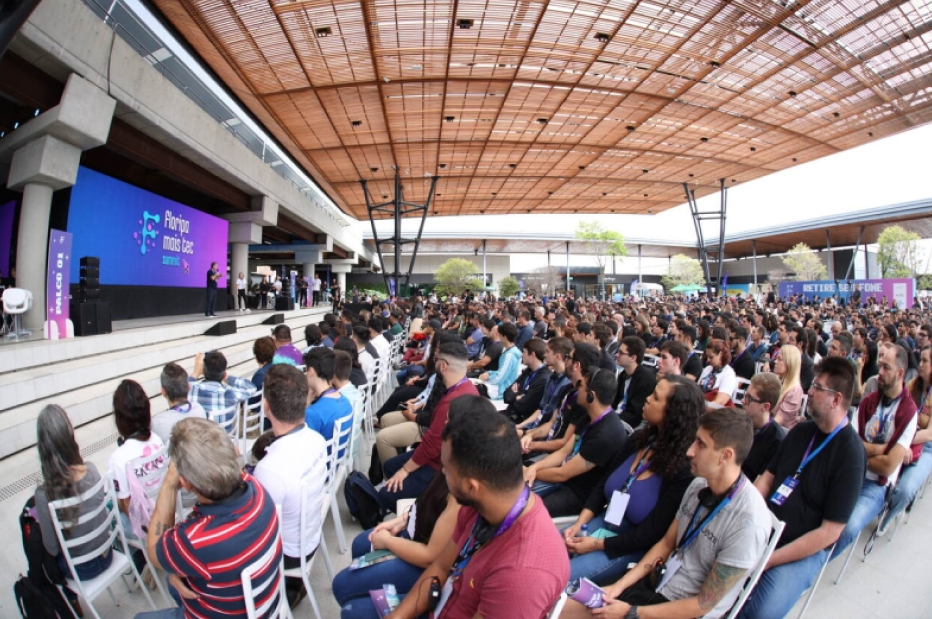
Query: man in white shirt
x=377, y=339
x=241, y=292
x=295, y=464
x=316, y=288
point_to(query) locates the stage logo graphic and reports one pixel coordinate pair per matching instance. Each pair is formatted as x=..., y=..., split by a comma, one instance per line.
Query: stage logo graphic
x=145, y=238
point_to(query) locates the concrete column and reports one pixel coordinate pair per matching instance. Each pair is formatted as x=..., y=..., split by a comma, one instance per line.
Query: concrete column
x=309, y=269
x=32, y=250
x=484, y=271
x=754, y=250
x=640, y=274
x=829, y=258
x=569, y=283
x=341, y=280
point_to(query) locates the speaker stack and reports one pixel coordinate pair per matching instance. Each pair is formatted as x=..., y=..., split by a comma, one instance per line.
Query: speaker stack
x=89, y=315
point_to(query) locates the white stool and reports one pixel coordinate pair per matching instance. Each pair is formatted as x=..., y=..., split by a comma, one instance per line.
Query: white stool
x=16, y=302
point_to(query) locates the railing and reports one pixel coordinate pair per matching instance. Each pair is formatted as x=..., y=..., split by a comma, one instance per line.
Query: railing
x=258, y=144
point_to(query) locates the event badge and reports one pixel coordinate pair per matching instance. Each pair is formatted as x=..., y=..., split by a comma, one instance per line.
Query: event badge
x=784, y=491
x=673, y=566
x=617, y=508
x=444, y=596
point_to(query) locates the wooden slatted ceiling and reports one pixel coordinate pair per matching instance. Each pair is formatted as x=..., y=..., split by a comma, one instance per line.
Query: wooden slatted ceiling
x=564, y=105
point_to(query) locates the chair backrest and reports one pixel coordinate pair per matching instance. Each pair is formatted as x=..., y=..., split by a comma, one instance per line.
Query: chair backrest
x=266, y=598
x=253, y=419
x=153, y=467
x=651, y=361
x=761, y=366
x=804, y=406
x=15, y=300
x=103, y=535
x=776, y=530
x=342, y=433
x=557, y=606
x=228, y=419
x=742, y=389
x=359, y=413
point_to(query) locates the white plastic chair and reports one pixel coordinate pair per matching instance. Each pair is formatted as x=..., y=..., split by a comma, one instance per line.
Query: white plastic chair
x=342, y=432
x=804, y=406
x=253, y=422
x=112, y=528
x=154, y=468
x=651, y=361
x=16, y=302
x=557, y=607
x=303, y=572
x=269, y=593
x=740, y=391
x=228, y=419
x=815, y=585
x=776, y=531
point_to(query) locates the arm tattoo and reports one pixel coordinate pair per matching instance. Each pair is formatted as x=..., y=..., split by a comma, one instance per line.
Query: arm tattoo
x=719, y=582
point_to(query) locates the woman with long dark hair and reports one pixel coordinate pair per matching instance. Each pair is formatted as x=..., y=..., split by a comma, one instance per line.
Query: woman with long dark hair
x=66, y=475
x=652, y=469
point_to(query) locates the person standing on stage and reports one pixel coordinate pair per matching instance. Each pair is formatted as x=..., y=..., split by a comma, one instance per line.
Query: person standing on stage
x=241, y=292
x=212, y=276
x=317, y=298
x=335, y=292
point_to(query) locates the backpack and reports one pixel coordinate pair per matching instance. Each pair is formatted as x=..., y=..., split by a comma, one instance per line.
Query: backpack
x=362, y=499
x=36, y=594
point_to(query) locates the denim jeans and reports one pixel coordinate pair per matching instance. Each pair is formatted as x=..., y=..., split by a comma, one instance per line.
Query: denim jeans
x=406, y=373
x=351, y=588
x=868, y=507
x=414, y=484
x=910, y=482
x=780, y=587
x=168, y=613
x=598, y=566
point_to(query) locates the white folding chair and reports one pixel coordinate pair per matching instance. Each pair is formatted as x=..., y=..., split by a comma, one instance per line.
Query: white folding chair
x=776, y=531
x=359, y=416
x=253, y=422
x=16, y=302
x=761, y=366
x=804, y=406
x=557, y=607
x=228, y=419
x=342, y=464
x=651, y=361
x=153, y=469
x=815, y=585
x=266, y=599
x=869, y=546
x=105, y=505
x=304, y=570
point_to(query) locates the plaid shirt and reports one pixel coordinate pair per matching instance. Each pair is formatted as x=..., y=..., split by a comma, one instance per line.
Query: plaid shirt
x=213, y=395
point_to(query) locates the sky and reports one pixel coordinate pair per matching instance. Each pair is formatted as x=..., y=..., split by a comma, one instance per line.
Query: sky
x=888, y=171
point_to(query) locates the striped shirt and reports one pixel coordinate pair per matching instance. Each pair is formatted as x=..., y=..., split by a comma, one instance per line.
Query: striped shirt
x=212, y=547
x=214, y=396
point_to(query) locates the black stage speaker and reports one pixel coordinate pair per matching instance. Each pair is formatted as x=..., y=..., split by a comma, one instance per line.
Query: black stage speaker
x=104, y=324
x=90, y=261
x=274, y=319
x=90, y=272
x=284, y=304
x=90, y=281
x=84, y=318
x=88, y=295
x=224, y=327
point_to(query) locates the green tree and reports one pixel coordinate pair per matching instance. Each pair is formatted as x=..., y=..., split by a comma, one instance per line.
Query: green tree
x=508, y=287
x=898, y=252
x=806, y=265
x=603, y=244
x=456, y=276
x=683, y=271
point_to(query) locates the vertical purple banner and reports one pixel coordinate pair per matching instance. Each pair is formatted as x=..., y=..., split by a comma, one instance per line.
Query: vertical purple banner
x=57, y=284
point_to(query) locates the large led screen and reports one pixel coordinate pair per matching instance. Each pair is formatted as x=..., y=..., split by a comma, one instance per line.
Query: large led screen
x=142, y=239
x=7, y=214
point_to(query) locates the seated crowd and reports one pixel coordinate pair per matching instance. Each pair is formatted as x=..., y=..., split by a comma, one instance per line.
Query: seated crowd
x=667, y=434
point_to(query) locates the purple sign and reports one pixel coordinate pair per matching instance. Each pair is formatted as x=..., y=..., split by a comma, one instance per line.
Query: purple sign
x=7, y=214
x=899, y=290
x=142, y=239
x=56, y=288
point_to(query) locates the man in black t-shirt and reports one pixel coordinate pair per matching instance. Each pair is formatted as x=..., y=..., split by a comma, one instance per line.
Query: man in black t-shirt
x=212, y=276
x=742, y=361
x=566, y=477
x=693, y=367
x=817, y=505
x=760, y=398
x=490, y=351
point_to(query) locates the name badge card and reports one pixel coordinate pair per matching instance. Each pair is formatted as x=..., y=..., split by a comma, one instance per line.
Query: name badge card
x=617, y=508
x=673, y=566
x=784, y=491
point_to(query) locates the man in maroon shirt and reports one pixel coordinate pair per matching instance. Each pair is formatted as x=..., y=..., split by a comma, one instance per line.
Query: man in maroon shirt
x=410, y=473
x=505, y=559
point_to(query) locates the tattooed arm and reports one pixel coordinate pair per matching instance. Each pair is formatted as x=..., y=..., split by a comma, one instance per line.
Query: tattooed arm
x=721, y=579
x=163, y=516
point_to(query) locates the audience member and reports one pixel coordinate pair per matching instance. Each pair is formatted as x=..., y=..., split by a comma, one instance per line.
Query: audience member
x=718, y=380
x=263, y=349
x=760, y=399
x=175, y=385
x=635, y=382
x=213, y=388
x=789, y=406
x=285, y=351
x=325, y=405
x=509, y=364
x=525, y=394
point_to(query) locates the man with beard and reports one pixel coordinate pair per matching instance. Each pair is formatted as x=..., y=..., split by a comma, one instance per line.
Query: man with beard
x=812, y=485
x=505, y=552
x=886, y=425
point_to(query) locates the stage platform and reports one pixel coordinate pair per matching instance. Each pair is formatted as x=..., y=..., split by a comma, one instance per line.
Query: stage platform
x=81, y=373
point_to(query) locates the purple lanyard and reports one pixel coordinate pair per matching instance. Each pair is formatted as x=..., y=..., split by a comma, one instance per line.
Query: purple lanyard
x=178, y=409
x=762, y=430
x=735, y=360
x=457, y=385
x=473, y=544
x=641, y=467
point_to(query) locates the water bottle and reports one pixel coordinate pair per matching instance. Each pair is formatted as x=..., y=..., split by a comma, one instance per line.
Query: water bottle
x=584, y=531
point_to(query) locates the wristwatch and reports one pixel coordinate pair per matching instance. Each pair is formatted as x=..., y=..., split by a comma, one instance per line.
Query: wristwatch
x=632, y=613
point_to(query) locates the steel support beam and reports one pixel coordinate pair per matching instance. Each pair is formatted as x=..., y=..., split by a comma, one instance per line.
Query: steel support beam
x=854, y=255
x=397, y=208
x=705, y=248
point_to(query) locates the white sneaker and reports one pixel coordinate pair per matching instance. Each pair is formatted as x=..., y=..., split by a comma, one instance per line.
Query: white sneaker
x=248, y=311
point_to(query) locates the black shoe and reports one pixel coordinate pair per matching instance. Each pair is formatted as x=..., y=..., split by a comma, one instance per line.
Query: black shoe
x=295, y=595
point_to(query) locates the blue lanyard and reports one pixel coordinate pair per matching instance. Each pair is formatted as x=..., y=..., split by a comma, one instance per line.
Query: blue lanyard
x=692, y=531
x=885, y=418
x=473, y=544
x=640, y=468
x=808, y=457
x=579, y=440
x=528, y=380
x=710, y=380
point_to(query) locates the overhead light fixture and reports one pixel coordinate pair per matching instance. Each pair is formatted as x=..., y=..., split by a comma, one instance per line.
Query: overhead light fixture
x=512, y=165
x=542, y=121
x=356, y=123
x=714, y=64
x=449, y=119
x=645, y=171
x=703, y=139
x=602, y=37
x=374, y=169
x=464, y=24
x=753, y=149
x=582, y=167
x=793, y=93
x=630, y=127
x=322, y=32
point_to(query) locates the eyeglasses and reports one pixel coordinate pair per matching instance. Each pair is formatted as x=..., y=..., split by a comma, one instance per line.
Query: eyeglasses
x=819, y=387
x=749, y=398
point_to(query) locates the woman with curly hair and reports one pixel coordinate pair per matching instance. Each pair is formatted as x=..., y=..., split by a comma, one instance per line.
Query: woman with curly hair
x=653, y=471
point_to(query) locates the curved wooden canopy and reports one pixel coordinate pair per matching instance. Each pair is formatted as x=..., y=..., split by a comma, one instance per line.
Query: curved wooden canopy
x=551, y=106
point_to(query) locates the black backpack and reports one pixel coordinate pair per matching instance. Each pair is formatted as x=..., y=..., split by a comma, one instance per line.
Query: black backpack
x=36, y=594
x=362, y=499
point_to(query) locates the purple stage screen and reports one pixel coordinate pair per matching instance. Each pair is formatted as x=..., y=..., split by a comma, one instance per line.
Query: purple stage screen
x=899, y=290
x=7, y=213
x=142, y=239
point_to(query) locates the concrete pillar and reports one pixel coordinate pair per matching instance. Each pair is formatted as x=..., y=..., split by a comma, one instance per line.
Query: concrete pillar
x=484, y=271
x=829, y=258
x=640, y=274
x=32, y=250
x=341, y=280
x=754, y=250
x=569, y=283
